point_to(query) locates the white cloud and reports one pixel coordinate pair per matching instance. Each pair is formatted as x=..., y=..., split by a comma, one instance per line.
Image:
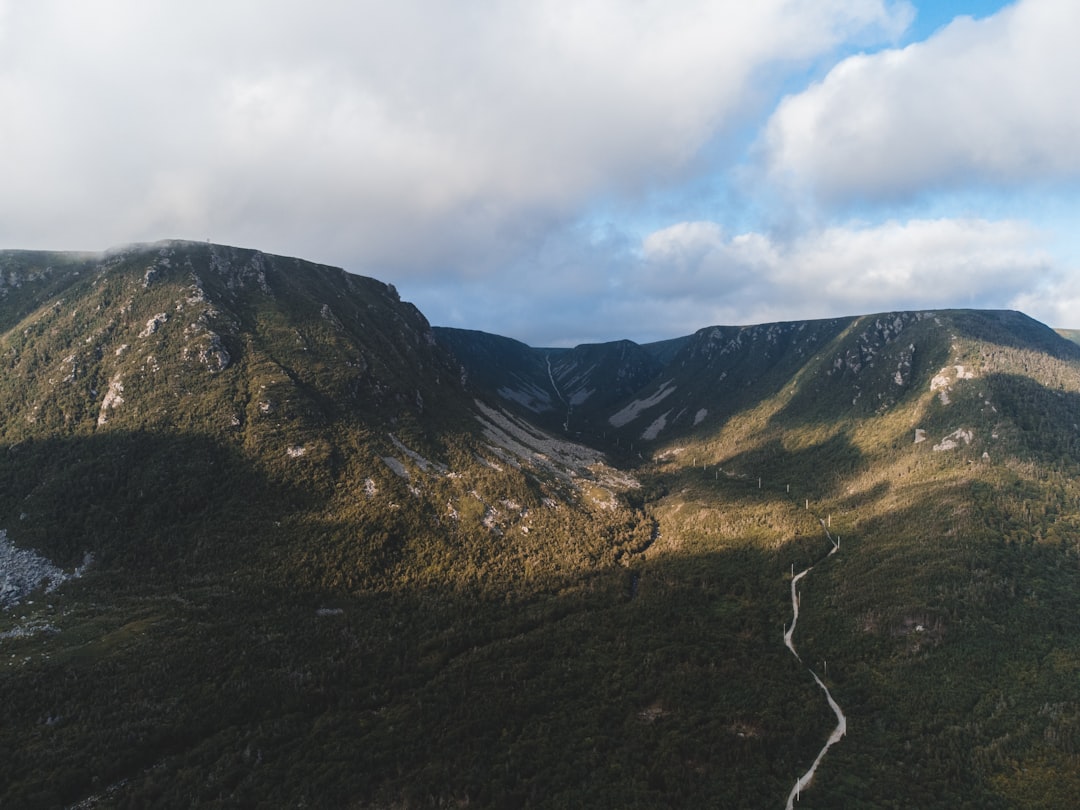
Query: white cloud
x=457, y=149
x=1054, y=300
x=981, y=103
x=389, y=136
x=693, y=274
x=842, y=270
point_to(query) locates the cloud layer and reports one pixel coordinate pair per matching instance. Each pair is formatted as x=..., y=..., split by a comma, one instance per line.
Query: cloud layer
x=985, y=103
x=693, y=274
x=466, y=151
x=412, y=136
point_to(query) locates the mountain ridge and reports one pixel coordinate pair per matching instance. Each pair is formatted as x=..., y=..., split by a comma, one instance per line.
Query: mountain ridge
x=741, y=364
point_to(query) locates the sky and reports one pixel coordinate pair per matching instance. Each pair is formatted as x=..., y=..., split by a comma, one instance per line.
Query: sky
x=568, y=171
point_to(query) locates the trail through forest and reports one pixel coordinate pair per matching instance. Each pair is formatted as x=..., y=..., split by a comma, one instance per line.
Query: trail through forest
x=841, y=720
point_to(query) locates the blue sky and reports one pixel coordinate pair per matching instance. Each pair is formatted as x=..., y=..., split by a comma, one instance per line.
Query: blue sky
x=566, y=171
x=931, y=16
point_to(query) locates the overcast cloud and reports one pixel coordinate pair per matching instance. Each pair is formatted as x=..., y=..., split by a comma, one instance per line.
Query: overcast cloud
x=560, y=170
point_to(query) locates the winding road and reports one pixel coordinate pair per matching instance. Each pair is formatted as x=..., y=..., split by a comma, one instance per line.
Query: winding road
x=841, y=720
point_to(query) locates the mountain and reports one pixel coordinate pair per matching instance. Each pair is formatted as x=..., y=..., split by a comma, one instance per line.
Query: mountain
x=280, y=502
x=571, y=389
x=270, y=539
x=1070, y=334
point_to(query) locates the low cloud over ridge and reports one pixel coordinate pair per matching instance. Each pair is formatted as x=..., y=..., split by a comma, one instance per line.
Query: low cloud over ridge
x=562, y=171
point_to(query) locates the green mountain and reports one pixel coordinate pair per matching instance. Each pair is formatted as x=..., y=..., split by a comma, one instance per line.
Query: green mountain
x=269, y=539
x=567, y=389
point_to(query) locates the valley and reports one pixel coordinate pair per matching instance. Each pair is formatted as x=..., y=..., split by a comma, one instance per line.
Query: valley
x=316, y=552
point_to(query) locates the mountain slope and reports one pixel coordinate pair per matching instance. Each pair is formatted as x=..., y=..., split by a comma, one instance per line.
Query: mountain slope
x=944, y=448
x=251, y=459
x=567, y=389
x=1070, y=334
x=214, y=357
